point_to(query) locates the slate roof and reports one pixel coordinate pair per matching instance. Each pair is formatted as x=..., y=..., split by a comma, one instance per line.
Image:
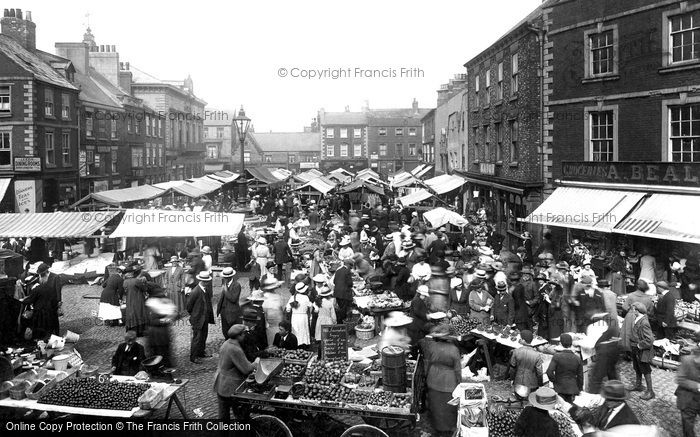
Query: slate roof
x=32, y=63
x=288, y=141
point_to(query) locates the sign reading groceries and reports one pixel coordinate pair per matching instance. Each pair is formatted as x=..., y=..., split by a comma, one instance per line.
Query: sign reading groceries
x=27, y=163
x=648, y=173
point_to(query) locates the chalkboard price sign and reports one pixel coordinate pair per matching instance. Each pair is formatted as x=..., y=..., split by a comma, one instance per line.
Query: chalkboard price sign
x=334, y=342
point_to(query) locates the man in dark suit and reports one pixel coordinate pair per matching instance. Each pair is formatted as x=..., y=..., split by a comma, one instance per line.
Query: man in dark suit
x=615, y=411
x=283, y=256
x=665, y=310
x=285, y=339
x=688, y=391
x=565, y=371
x=127, y=359
x=503, y=310
x=229, y=303
x=343, y=290
x=199, y=307
x=53, y=281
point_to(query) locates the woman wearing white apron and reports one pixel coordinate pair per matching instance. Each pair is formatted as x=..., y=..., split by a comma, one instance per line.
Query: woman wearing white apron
x=300, y=306
x=326, y=310
x=262, y=254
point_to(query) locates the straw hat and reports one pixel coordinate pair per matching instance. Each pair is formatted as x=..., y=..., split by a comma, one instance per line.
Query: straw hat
x=228, y=272
x=320, y=278
x=544, y=398
x=206, y=249
x=204, y=276
x=269, y=283
x=345, y=241
x=423, y=290
x=256, y=295
x=481, y=274
x=174, y=259
x=324, y=291
x=406, y=245
x=455, y=282
x=301, y=288
x=438, y=315
x=397, y=318
x=364, y=239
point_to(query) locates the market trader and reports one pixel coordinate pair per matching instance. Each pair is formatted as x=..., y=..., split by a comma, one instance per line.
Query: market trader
x=127, y=359
x=688, y=391
x=232, y=370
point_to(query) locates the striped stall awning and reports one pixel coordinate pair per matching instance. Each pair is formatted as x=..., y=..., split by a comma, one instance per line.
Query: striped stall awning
x=665, y=216
x=53, y=224
x=585, y=208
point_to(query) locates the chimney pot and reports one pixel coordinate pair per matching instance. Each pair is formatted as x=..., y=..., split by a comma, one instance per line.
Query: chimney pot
x=29, y=16
x=12, y=12
x=114, y=48
x=19, y=14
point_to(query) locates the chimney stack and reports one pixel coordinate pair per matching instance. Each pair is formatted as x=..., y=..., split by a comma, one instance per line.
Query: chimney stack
x=106, y=62
x=415, y=106
x=77, y=52
x=23, y=31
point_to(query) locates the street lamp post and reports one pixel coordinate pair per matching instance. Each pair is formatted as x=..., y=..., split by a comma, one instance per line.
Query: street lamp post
x=242, y=123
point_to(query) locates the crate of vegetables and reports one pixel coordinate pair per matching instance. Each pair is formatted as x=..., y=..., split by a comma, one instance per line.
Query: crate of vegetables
x=401, y=403
x=297, y=356
x=290, y=373
x=380, y=400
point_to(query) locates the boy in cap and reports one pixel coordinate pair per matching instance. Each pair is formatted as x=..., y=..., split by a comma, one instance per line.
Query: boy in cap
x=642, y=345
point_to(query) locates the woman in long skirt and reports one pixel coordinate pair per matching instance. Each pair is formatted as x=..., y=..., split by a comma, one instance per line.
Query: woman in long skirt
x=300, y=306
x=112, y=292
x=262, y=255
x=444, y=374
x=272, y=306
x=325, y=307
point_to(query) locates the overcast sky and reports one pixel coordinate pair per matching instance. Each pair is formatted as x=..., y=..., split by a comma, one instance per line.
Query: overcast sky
x=235, y=51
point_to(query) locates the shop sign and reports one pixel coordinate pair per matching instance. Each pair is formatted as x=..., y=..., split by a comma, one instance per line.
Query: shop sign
x=104, y=149
x=308, y=165
x=27, y=163
x=488, y=168
x=645, y=173
x=100, y=185
x=28, y=196
x=334, y=342
x=82, y=163
x=374, y=156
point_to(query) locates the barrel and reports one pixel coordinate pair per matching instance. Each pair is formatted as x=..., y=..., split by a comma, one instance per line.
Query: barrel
x=394, y=369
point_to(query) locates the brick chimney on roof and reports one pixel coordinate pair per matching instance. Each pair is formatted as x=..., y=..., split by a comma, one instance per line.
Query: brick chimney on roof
x=22, y=30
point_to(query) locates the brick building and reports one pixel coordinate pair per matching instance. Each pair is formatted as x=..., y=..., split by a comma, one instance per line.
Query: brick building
x=428, y=122
x=38, y=122
x=344, y=142
x=218, y=140
x=294, y=151
x=504, y=166
x=182, y=114
x=452, y=112
x=622, y=96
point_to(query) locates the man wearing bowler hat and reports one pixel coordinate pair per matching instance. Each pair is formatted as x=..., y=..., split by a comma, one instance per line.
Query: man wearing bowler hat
x=201, y=314
x=665, y=311
x=229, y=307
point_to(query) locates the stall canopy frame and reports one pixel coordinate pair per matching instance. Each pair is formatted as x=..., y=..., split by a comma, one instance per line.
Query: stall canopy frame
x=439, y=185
x=125, y=195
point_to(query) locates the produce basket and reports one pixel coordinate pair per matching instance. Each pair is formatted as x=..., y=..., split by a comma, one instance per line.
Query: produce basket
x=38, y=388
x=17, y=392
x=151, y=398
x=296, y=361
x=364, y=333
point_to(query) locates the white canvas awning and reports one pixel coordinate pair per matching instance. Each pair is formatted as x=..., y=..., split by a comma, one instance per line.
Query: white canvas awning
x=665, y=216
x=164, y=223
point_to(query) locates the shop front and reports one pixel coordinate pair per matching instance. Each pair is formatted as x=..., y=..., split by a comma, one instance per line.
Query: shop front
x=633, y=208
x=504, y=202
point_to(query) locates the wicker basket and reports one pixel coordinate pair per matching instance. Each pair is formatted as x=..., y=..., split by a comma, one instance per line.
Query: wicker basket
x=18, y=391
x=364, y=333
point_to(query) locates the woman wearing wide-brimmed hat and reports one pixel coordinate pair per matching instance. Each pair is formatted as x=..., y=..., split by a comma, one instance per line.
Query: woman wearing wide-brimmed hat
x=262, y=255
x=325, y=307
x=272, y=306
x=345, y=252
x=444, y=374
x=300, y=307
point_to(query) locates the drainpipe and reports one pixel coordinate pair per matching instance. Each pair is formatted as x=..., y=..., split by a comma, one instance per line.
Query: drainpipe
x=540, y=31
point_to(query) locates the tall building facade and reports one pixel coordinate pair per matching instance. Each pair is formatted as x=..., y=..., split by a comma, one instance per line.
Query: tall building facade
x=505, y=127
x=344, y=140
x=39, y=121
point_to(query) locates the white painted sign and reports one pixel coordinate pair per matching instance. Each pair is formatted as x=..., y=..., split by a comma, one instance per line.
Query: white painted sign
x=25, y=196
x=27, y=163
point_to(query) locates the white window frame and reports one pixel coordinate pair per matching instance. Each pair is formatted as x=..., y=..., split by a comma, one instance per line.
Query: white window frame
x=357, y=132
x=6, y=147
x=357, y=150
x=383, y=149
x=412, y=149
x=344, y=150
x=6, y=100
x=499, y=83
x=65, y=149
x=48, y=103
x=292, y=159
x=412, y=131
x=398, y=131
x=65, y=108
x=330, y=132
x=381, y=131
x=588, y=126
x=588, y=51
x=666, y=40
x=487, y=101
x=476, y=91
x=212, y=151
x=343, y=133
x=113, y=128
x=115, y=162
x=51, y=149
x=514, y=74
x=330, y=150
x=667, y=149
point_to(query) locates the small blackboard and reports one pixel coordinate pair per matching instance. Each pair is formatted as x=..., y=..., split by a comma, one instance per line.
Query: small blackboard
x=334, y=342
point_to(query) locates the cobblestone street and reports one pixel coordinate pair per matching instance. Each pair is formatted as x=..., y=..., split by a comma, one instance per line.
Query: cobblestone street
x=98, y=343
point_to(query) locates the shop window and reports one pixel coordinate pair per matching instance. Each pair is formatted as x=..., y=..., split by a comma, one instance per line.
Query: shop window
x=50, y=150
x=65, y=149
